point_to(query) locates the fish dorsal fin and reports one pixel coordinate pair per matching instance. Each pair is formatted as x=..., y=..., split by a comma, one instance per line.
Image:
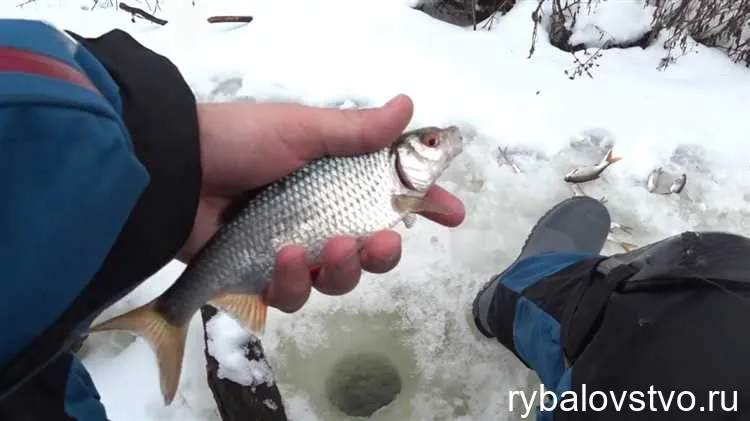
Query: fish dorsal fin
x=249, y=310
x=166, y=339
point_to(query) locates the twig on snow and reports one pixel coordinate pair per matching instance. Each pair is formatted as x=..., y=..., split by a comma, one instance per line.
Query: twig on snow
x=142, y=13
x=220, y=19
x=507, y=158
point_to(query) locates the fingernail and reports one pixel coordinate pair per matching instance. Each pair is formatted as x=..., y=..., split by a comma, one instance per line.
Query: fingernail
x=393, y=256
x=383, y=264
x=348, y=260
x=391, y=101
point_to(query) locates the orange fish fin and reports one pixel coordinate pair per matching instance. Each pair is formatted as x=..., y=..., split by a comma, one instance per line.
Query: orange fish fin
x=249, y=310
x=611, y=158
x=167, y=341
x=628, y=246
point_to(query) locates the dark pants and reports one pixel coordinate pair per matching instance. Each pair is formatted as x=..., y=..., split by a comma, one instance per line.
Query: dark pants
x=622, y=338
x=61, y=391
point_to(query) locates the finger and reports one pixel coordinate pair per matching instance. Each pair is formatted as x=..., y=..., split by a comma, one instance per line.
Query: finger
x=291, y=284
x=447, y=200
x=381, y=252
x=341, y=270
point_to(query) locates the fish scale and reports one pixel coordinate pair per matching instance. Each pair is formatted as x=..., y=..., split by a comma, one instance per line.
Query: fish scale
x=332, y=196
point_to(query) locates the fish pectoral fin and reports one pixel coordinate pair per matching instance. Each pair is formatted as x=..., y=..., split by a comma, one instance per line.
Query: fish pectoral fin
x=249, y=310
x=413, y=204
x=167, y=341
x=409, y=220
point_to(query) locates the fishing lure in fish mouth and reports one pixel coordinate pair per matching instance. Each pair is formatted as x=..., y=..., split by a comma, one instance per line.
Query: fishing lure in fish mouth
x=351, y=196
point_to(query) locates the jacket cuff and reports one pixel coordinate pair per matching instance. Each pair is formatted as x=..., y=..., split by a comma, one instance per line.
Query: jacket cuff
x=159, y=110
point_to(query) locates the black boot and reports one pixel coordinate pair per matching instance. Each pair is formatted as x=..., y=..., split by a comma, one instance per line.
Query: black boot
x=578, y=224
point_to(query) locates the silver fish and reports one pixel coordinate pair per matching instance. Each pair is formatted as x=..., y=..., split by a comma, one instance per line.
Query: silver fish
x=653, y=179
x=504, y=154
x=653, y=183
x=584, y=174
x=355, y=196
x=678, y=184
x=624, y=228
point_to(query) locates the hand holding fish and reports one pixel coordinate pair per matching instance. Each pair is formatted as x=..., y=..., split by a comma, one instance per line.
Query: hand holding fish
x=246, y=146
x=294, y=197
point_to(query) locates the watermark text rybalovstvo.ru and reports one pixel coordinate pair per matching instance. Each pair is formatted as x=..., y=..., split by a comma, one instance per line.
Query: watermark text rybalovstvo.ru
x=637, y=401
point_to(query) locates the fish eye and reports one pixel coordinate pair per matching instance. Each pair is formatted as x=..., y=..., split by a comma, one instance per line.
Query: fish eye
x=431, y=140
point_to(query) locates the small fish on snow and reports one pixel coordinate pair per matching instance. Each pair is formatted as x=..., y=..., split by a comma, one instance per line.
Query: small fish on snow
x=354, y=196
x=653, y=179
x=678, y=184
x=590, y=173
x=618, y=226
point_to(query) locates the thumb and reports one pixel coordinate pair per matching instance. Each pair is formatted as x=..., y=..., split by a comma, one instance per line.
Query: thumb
x=311, y=133
x=244, y=146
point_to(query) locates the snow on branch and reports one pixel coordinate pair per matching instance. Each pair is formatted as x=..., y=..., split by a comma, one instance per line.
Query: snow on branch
x=240, y=378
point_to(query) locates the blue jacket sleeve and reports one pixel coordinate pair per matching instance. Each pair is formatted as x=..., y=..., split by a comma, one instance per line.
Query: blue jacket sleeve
x=97, y=194
x=68, y=178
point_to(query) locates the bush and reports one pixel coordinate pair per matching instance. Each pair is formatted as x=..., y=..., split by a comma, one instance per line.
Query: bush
x=723, y=24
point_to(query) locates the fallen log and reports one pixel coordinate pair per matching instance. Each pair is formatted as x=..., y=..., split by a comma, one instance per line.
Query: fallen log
x=236, y=402
x=221, y=19
x=141, y=13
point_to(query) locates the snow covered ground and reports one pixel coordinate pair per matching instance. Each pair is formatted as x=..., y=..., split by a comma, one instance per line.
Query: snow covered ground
x=693, y=118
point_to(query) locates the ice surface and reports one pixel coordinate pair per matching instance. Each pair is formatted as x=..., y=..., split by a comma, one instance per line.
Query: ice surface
x=694, y=118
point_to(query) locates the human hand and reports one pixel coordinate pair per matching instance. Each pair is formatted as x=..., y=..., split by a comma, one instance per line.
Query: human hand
x=245, y=146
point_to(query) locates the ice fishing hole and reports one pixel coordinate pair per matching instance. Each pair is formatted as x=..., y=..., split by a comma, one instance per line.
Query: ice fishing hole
x=360, y=384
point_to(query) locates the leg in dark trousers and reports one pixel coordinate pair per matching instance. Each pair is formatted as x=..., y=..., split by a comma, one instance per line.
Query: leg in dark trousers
x=61, y=391
x=654, y=334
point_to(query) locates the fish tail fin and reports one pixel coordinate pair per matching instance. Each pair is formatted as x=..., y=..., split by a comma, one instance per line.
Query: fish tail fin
x=611, y=158
x=628, y=246
x=166, y=339
x=249, y=310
